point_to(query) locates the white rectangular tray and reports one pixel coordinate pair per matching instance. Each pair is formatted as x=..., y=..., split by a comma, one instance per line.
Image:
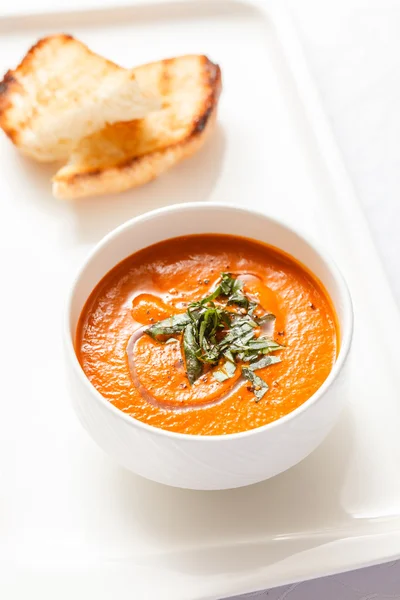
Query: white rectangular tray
x=73, y=524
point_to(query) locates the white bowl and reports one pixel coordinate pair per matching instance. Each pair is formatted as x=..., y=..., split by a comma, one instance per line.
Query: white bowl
x=195, y=461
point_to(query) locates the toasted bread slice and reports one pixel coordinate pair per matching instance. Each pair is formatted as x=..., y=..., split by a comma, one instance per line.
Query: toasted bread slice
x=126, y=155
x=62, y=92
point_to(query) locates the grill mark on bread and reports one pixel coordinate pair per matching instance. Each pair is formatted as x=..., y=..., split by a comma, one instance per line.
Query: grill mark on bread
x=212, y=79
x=8, y=82
x=7, y=86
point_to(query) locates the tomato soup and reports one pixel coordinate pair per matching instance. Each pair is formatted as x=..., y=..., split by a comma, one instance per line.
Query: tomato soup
x=207, y=334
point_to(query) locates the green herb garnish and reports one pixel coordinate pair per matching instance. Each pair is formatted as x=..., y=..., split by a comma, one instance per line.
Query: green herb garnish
x=227, y=371
x=170, y=326
x=259, y=386
x=194, y=367
x=263, y=362
x=218, y=335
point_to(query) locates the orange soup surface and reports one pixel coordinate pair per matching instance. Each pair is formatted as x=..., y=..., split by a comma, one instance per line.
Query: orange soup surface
x=252, y=354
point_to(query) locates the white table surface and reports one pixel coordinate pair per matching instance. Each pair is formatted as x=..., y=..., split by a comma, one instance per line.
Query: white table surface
x=353, y=49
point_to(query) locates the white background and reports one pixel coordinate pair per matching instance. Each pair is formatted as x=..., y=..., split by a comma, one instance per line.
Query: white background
x=353, y=50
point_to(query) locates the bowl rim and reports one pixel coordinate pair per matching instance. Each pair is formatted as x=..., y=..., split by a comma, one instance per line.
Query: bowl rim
x=340, y=282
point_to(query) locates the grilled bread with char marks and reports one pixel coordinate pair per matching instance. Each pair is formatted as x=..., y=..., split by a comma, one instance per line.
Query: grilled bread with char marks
x=62, y=92
x=129, y=154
